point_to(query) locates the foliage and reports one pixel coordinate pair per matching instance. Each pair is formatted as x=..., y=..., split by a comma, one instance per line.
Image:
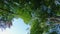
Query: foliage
x=33, y=12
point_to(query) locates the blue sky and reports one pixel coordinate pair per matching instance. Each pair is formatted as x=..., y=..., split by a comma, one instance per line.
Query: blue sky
x=18, y=27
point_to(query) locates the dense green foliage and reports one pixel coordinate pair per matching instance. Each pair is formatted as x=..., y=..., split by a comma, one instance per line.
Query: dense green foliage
x=33, y=12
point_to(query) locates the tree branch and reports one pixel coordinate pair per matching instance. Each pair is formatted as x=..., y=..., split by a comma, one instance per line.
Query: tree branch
x=7, y=10
x=55, y=19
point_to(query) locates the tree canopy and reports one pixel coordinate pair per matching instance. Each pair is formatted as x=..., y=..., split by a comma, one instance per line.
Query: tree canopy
x=42, y=15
